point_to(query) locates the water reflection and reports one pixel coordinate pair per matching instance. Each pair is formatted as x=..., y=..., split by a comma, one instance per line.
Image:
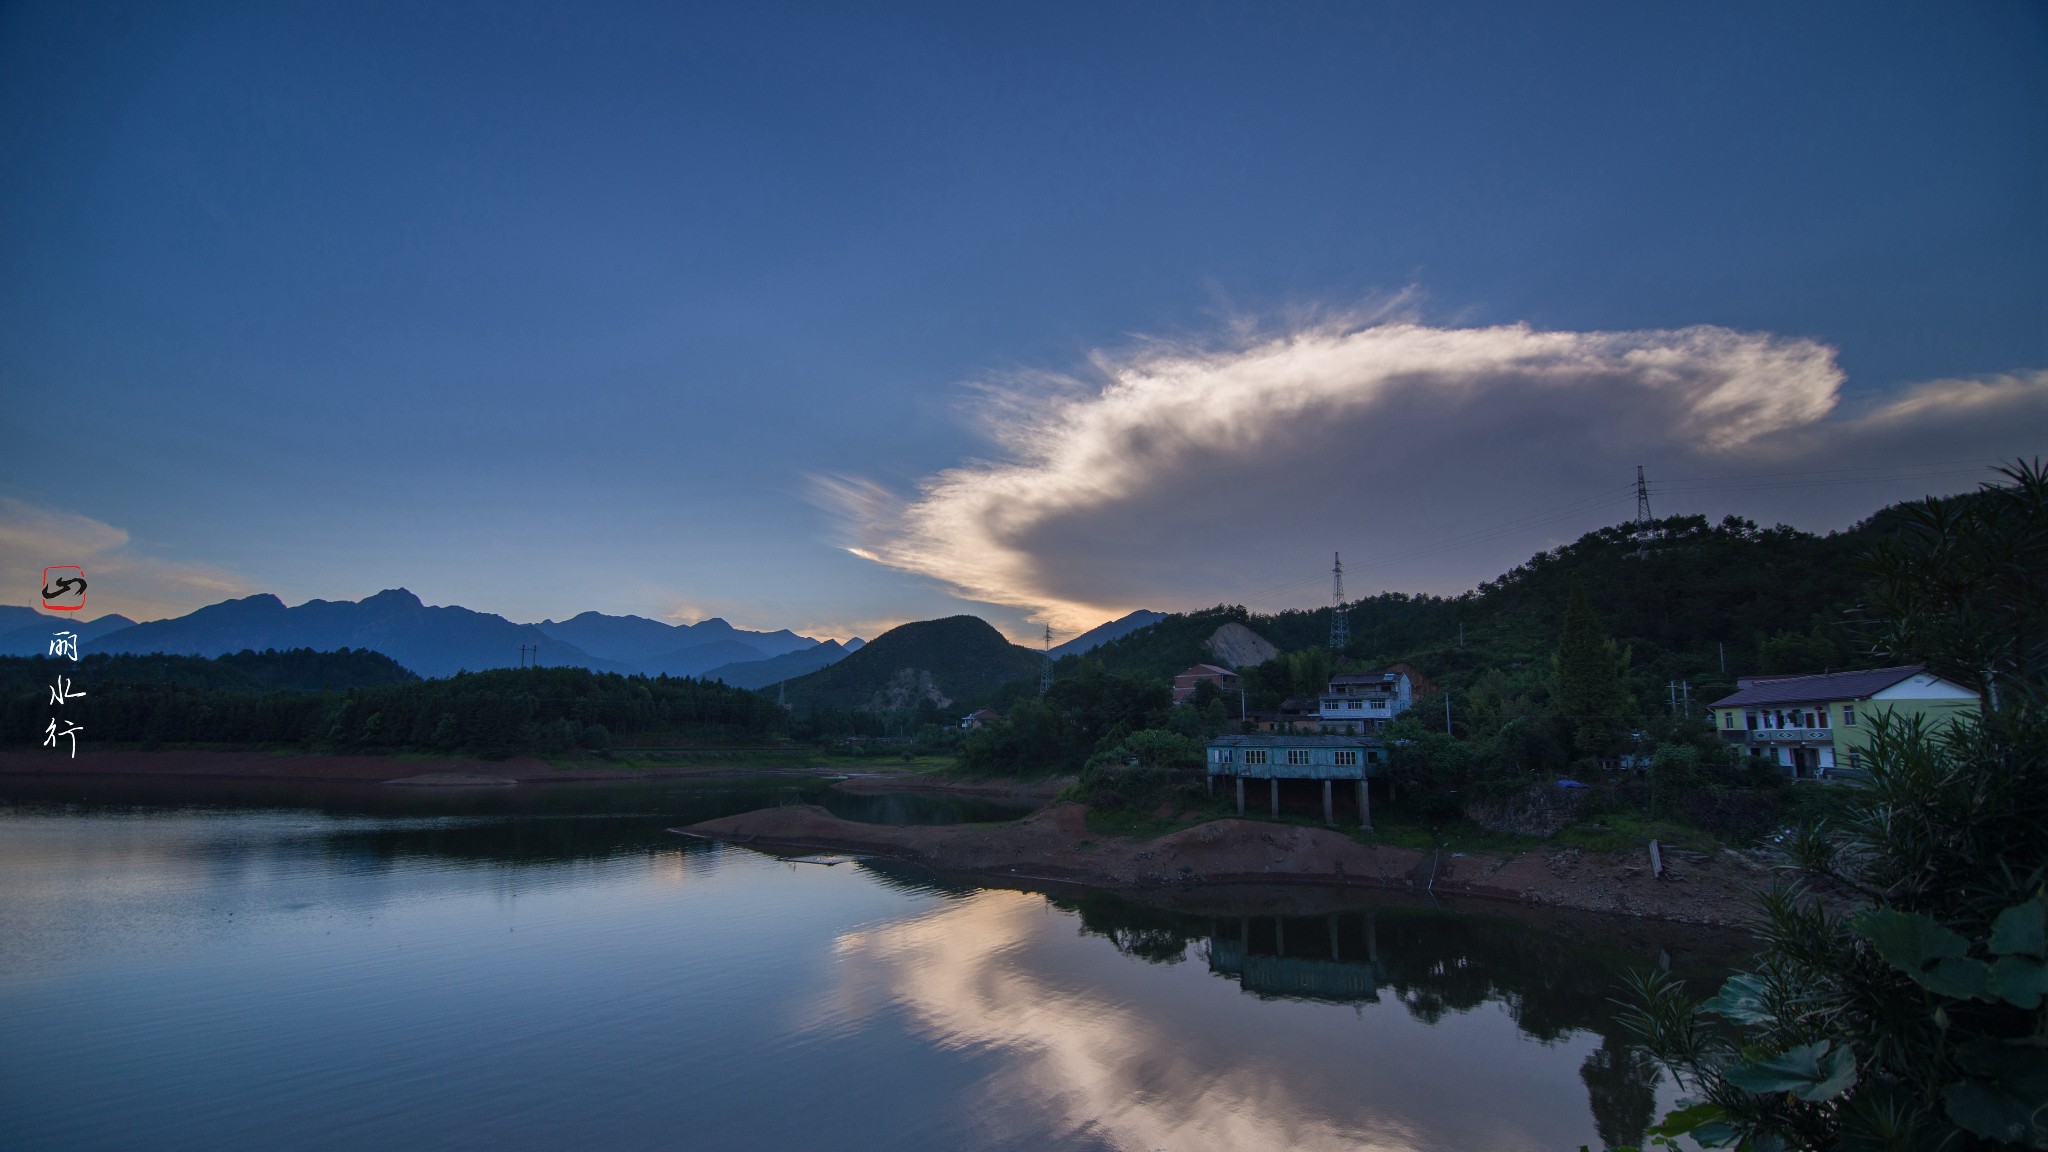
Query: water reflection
x=373, y=823
x=568, y=974
x=1360, y=1027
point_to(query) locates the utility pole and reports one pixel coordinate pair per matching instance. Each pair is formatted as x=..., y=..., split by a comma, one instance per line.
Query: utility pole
x=1642, y=513
x=1340, y=623
x=1461, y=633
x=1723, y=646
x=1045, y=673
x=1447, y=713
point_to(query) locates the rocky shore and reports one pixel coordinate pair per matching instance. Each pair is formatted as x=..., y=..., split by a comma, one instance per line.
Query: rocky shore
x=1055, y=845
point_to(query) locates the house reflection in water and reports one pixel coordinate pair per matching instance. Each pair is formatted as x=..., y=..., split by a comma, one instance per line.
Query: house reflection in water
x=1333, y=958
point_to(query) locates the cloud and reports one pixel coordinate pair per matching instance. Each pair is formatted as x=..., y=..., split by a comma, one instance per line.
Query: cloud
x=1176, y=475
x=122, y=580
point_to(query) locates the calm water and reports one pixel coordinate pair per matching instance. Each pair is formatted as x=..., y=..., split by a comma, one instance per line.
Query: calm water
x=544, y=968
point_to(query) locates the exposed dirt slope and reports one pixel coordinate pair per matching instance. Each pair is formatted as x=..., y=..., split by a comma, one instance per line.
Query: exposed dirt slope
x=1055, y=844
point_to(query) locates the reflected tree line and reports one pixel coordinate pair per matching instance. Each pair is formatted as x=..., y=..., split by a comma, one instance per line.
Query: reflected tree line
x=1435, y=964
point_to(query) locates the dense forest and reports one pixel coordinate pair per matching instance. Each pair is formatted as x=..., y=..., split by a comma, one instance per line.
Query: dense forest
x=1693, y=599
x=361, y=701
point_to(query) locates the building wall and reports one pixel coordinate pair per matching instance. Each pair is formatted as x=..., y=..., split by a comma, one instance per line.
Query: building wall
x=1934, y=701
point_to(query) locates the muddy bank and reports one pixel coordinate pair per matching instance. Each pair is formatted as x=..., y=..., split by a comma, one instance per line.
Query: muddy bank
x=1020, y=791
x=1055, y=845
x=171, y=764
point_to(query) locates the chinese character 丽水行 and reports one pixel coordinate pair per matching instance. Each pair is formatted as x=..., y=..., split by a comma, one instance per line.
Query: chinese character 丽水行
x=61, y=691
x=72, y=730
x=65, y=644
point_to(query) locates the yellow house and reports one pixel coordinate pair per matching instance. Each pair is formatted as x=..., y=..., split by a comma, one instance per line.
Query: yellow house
x=1814, y=724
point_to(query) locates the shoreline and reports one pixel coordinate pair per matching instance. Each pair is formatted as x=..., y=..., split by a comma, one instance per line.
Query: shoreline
x=445, y=771
x=1055, y=846
x=1051, y=846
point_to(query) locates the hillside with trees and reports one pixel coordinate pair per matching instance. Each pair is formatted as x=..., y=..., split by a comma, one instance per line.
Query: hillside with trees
x=358, y=701
x=1693, y=598
x=930, y=665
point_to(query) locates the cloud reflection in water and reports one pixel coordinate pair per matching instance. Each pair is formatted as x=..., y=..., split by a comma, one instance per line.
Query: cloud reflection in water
x=1096, y=1048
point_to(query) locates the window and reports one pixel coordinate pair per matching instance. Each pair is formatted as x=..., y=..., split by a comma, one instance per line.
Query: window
x=1855, y=758
x=1297, y=755
x=1727, y=719
x=1220, y=755
x=1849, y=721
x=1347, y=758
x=1255, y=755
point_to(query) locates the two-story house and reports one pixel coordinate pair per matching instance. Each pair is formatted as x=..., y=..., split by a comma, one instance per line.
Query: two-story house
x=1355, y=703
x=1817, y=723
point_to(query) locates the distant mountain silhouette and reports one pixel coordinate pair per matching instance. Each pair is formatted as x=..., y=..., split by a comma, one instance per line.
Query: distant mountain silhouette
x=944, y=661
x=701, y=658
x=27, y=631
x=789, y=665
x=436, y=641
x=1104, y=633
x=676, y=649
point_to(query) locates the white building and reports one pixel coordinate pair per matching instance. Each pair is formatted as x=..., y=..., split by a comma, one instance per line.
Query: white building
x=1359, y=702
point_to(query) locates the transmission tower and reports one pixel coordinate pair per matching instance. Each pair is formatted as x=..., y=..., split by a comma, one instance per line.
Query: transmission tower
x=1643, y=530
x=1340, y=623
x=1045, y=672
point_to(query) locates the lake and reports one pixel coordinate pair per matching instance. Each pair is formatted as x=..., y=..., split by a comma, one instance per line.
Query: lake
x=195, y=965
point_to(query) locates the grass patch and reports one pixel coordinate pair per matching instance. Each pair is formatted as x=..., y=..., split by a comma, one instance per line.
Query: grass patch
x=1629, y=832
x=1145, y=825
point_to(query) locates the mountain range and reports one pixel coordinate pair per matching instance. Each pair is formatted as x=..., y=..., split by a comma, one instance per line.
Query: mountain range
x=1103, y=633
x=442, y=640
x=27, y=631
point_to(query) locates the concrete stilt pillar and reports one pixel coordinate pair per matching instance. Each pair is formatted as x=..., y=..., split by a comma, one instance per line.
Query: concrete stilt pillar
x=1335, y=954
x=1329, y=805
x=1275, y=782
x=1365, y=805
x=1240, y=795
x=1279, y=936
x=1211, y=780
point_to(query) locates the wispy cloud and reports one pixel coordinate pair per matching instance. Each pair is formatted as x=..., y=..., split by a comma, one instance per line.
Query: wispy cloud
x=122, y=579
x=1176, y=474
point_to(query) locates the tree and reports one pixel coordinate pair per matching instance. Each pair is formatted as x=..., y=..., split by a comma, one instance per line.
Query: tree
x=1590, y=691
x=1921, y=1020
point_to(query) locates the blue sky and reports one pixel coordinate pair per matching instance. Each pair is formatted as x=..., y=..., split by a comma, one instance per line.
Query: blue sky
x=661, y=309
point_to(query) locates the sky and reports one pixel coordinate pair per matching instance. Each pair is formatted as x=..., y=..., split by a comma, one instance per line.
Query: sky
x=832, y=317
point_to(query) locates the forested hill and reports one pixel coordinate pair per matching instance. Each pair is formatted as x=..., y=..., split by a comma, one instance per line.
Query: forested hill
x=1777, y=599
x=260, y=700
x=940, y=661
x=297, y=670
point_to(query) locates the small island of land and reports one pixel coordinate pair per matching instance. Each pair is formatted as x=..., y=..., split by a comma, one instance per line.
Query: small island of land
x=1057, y=845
